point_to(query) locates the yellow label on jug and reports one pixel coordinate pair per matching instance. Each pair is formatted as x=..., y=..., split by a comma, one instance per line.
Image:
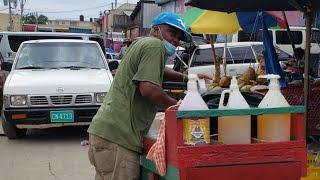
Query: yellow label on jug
x=196, y=131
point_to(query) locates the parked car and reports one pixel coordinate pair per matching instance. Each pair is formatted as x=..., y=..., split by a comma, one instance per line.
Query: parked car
x=281, y=39
x=11, y=41
x=54, y=83
x=239, y=56
x=112, y=56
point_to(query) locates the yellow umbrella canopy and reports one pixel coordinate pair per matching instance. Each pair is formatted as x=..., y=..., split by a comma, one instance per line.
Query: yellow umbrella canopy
x=211, y=22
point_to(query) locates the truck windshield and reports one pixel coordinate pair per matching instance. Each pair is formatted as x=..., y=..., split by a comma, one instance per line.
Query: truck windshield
x=56, y=55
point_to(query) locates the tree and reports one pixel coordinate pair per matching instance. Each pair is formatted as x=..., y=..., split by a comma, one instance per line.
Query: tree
x=31, y=19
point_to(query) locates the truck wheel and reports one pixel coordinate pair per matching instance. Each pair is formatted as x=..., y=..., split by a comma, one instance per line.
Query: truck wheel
x=11, y=131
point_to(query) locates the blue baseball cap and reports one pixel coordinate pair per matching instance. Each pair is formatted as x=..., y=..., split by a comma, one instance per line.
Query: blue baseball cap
x=174, y=20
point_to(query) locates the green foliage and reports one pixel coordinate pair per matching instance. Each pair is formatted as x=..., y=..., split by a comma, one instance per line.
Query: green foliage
x=31, y=19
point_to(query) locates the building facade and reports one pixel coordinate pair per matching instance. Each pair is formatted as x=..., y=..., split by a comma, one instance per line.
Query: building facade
x=70, y=26
x=142, y=16
x=4, y=22
x=117, y=20
x=177, y=6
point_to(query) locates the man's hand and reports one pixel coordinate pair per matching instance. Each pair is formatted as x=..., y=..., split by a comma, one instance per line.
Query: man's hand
x=204, y=76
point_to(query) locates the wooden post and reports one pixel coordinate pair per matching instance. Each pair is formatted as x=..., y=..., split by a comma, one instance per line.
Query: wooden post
x=217, y=74
x=309, y=17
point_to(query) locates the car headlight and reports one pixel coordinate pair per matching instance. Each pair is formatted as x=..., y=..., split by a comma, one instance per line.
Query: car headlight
x=100, y=97
x=18, y=100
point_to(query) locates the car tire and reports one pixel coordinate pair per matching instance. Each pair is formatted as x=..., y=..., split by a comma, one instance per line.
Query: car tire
x=11, y=131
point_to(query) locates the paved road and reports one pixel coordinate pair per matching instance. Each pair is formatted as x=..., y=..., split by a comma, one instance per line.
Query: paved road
x=50, y=154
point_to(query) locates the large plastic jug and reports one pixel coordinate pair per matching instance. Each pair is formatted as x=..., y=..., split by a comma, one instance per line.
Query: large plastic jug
x=273, y=127
x=234, y=129
x=196, y=130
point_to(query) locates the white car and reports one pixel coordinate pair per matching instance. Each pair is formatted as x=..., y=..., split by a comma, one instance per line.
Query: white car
x=239, y=56
x=54, y=83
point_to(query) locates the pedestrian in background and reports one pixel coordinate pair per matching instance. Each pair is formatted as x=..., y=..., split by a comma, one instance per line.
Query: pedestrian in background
x=130, y=106
x=126, y=44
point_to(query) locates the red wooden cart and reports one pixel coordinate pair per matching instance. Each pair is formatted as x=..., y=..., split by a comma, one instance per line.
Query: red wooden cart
x=274, y=160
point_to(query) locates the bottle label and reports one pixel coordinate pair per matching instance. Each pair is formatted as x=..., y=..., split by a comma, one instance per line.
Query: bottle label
x=196, y=131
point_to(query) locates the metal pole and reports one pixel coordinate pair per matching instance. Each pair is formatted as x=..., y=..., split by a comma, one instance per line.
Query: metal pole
x=37, y=23
x=309, y=18
x=225, y=56
x=10, y=16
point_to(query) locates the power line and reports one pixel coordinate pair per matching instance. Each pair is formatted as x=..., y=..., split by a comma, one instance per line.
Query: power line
x=75, y=10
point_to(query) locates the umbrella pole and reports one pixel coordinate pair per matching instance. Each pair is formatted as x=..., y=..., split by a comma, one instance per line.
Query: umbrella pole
x=308, y=14
x=290, y=36
x=216, y=63
x=225, y=56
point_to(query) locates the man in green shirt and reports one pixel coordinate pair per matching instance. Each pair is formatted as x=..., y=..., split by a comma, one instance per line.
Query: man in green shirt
x=130, y=106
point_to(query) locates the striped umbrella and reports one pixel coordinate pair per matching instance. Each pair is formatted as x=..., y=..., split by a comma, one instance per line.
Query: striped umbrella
x=201, y=21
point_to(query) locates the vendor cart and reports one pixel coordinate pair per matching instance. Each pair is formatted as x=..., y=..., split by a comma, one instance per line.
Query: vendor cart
x=258, y=160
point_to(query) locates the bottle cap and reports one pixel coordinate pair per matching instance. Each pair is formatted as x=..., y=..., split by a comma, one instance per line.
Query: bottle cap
x=274, y=82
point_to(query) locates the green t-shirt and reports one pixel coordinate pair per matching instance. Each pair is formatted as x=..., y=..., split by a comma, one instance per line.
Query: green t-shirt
x=125, y=116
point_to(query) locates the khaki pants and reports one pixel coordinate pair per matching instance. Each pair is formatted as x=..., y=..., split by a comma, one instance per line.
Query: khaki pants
x=111, y=161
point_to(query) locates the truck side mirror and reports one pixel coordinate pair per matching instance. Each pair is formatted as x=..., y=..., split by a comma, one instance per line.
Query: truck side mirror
x=113, y=65
x=6, y=66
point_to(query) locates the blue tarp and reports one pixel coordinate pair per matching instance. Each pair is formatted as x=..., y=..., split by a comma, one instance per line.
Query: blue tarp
x=270, y=56
x=251, y=21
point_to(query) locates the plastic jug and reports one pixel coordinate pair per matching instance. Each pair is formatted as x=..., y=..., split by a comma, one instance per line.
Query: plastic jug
x=234, y=129
x=273, y=127
x=196, y=130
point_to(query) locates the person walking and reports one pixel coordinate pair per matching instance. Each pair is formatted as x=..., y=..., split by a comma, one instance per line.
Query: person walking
x=124, y=47
x=130, y=106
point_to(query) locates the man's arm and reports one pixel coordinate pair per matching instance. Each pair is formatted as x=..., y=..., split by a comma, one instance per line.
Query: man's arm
x=171, y=75
x=174, y=76
x=155, y=95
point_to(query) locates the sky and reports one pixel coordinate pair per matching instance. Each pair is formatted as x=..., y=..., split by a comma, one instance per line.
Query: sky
x=66, y=9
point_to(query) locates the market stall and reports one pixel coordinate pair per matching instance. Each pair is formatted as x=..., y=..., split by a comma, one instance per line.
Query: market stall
x=308, y=7
x=256, y=160
x=274, y=160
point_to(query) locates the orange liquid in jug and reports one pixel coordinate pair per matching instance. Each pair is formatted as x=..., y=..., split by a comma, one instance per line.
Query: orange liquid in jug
x=234, y=129
x=274, y=127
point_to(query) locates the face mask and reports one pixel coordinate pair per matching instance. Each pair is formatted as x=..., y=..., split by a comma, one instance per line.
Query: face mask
x=170, y=49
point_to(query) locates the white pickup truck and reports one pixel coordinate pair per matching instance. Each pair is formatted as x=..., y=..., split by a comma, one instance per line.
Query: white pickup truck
x=54, y=83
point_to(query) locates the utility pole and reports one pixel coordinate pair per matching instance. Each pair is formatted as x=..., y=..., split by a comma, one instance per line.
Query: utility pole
x=10, y=17
x=22, y=3
x=115, y=4
x=37, y=22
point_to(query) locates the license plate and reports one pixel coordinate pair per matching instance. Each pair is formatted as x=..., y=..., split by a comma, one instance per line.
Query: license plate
x=62, y=116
